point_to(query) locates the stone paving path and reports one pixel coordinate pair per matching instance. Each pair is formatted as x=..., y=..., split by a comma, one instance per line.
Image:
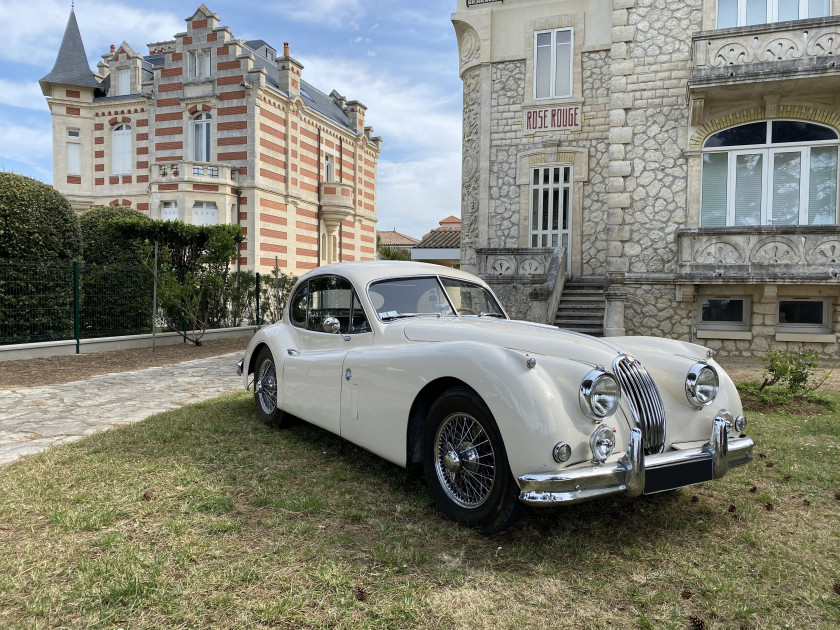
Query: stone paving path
x=34, y=418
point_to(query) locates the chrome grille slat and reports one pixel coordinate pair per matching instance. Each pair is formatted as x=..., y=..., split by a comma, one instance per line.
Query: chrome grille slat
x=644, y=400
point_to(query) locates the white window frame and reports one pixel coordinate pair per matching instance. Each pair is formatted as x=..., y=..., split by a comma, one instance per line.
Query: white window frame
x=772, y=12
x=804, y=328
x=743, y=325
x=329, y=168
x=537, y=231
x=767, y=151
x=199, y=63
x=553, y=72
x=205, y=205
x=74, y=152
x=121, y=149
x=170, y=205
x=203, y=121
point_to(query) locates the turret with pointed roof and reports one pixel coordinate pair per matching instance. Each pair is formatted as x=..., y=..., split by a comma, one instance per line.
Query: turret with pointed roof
x=71, y=65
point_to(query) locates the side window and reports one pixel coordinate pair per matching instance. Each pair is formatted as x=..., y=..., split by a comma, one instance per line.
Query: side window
x=297, y=306
x=329, y=296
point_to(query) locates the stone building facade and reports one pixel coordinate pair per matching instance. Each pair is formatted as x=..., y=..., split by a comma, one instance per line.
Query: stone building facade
x=211, y=129
x=682, y=154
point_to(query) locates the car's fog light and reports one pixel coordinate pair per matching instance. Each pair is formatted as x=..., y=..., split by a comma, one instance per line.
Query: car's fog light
x=602, y=443
x=562, y=452
x=740, y=424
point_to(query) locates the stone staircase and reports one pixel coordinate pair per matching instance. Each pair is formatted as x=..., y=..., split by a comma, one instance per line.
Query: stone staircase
x=581, y=307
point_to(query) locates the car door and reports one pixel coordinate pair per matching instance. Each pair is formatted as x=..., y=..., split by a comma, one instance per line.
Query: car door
x=313, y=372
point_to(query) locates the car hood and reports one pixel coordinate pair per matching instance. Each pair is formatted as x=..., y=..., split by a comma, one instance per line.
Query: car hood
x=542, y=339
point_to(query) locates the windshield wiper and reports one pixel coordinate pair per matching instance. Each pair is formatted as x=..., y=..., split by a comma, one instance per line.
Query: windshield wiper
x=499, y=315
x=388, y=318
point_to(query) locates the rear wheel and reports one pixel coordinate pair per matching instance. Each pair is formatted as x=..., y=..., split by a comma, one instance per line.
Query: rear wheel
x=265, y=391
x=465, y=463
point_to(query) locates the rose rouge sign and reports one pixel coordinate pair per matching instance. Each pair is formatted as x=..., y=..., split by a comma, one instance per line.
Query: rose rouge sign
x=553, y=119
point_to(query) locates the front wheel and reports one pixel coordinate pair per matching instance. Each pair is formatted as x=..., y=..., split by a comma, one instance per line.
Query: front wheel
x=265, y=391
x=465, y=463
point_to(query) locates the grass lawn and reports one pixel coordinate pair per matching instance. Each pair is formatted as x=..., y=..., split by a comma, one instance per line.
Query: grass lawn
x=204, y=518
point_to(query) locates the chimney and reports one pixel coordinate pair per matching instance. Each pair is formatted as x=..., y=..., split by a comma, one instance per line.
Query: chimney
x=113, y=49
x=356, y=116
x=289, y=71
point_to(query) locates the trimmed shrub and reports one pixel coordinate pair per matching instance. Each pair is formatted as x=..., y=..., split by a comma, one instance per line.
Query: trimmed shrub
x=36, y=221
x=102, y=243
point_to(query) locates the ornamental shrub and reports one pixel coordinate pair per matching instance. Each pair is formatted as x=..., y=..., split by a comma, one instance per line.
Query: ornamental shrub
x=102, y=243
x=36, y=221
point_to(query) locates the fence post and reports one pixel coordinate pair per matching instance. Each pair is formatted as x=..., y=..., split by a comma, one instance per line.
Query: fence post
x=76, y=303
x=258, y=299
x=154, y=300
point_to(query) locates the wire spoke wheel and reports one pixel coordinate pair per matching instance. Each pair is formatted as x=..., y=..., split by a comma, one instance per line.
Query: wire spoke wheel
x=465, y=461
x=266, y=387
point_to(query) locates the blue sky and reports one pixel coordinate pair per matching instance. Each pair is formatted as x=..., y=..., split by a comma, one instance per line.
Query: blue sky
x=398, y=58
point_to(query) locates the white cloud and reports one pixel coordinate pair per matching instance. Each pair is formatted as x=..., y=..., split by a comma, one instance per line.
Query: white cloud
x=333, y=13
x=27, y=145
x=414, y=196
x=24, y=95
x=34, y=29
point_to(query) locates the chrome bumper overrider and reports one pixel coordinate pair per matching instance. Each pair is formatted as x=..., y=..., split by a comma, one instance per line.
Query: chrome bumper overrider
x=240, y=366
x=627, y=475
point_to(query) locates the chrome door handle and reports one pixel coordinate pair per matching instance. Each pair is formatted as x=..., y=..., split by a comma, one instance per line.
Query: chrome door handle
x=292, y=352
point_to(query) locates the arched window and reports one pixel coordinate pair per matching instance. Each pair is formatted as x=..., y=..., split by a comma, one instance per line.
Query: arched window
x=781, y=172
x=200, y=138
x=121, y=149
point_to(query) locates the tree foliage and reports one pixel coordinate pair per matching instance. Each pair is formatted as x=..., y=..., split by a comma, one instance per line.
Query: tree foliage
x=36, y=221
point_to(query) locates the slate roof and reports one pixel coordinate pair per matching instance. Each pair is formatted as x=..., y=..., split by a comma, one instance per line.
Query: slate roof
x=395, y=239
x=441, y=239
x=71, y=64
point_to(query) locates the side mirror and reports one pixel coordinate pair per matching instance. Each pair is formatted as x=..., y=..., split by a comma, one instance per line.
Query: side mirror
x=331, y=325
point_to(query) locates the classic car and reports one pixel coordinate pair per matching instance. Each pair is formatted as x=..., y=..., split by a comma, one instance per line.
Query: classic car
x=420, y=364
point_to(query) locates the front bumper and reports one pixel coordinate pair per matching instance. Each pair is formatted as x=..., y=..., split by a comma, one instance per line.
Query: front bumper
x=636, y=474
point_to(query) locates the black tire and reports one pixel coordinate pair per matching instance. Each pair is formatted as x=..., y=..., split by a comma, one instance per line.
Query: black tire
x=265, y=391
x=470, y=481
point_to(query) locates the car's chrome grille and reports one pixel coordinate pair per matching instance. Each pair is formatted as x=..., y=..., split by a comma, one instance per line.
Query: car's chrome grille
x=644, y=401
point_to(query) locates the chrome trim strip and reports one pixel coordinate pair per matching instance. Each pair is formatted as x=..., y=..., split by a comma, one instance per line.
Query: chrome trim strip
x=628, y=474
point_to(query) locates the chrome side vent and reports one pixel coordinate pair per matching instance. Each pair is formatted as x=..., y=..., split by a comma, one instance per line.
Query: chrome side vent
x=644, y=401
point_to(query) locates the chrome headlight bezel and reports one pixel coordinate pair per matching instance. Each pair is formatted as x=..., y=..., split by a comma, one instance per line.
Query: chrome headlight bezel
x=592, y=391
x=696, y=391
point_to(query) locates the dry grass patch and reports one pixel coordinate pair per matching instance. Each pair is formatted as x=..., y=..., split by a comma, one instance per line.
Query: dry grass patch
x=204, y=518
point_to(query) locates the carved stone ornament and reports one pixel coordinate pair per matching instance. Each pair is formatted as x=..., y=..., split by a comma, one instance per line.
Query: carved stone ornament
x=719, y=253
x=778, y=45
x=470, y=47
x=775, y=250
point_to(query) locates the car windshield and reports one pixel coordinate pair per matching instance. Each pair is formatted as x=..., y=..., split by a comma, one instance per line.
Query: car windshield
x=429, y=296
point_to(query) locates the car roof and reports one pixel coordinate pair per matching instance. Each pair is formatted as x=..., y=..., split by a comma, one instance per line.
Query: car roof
x=362, y=273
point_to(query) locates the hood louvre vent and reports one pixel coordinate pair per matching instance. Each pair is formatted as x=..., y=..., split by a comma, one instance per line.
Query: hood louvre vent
x=644, y=401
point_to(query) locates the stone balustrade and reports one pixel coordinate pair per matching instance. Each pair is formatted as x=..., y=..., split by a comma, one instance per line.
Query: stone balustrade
x=801, y=47
x=184, y=171
x=787, y=254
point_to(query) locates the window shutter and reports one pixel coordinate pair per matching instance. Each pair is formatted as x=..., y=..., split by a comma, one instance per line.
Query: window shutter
x=788, y=10
x=787, y=173
x=749, y=184
x=124, y=82
x=121, y=149
x=74, y=158
x=822, y=189
x=715, y=173
x=757, y=11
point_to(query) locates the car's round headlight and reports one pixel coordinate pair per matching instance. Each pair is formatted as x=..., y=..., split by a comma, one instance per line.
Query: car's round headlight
x=602, y=443
x=701, y=384
x=600, y=395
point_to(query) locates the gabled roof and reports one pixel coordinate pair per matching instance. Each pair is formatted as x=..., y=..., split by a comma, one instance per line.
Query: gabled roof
x=441, y=239
x=395, y=239
x=451, y=219
x=71, y=65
